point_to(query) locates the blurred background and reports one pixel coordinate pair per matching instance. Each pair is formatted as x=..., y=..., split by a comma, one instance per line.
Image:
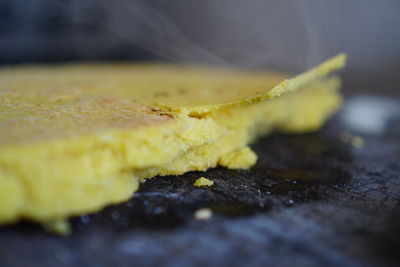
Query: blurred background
x=289, y=35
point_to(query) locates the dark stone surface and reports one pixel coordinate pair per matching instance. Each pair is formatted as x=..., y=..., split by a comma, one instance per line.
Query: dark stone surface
x=311, y=200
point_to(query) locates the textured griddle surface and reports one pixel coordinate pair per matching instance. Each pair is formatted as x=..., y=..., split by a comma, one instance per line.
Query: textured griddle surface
x=311, y=200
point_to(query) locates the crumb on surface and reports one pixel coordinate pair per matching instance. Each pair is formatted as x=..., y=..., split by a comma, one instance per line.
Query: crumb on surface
x=202, y=181
x=203, y=214
x=355, y=141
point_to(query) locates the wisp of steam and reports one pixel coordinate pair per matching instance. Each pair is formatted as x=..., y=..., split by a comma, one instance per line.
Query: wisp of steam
x=246, y=34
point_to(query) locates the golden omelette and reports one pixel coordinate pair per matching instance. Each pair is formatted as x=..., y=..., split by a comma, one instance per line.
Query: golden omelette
x=76, y=138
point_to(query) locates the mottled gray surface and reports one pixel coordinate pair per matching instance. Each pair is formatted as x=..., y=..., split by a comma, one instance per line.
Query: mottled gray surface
x=311, y=200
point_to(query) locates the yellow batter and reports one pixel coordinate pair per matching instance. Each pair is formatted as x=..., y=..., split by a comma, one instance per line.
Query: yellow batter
x=75, y=138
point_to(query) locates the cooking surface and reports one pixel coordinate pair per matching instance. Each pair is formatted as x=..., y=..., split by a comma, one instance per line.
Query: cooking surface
x=327, y=198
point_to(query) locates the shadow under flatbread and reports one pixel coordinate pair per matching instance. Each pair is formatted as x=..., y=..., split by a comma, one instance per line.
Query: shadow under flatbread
x=292, y=169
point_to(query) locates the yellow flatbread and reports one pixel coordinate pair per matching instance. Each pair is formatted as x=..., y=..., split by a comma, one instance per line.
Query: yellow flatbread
x=75, y=138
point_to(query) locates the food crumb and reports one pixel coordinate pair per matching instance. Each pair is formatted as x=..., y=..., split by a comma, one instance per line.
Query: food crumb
x=202, y=181
x=203, y=214
x=354, y=140
x=357, y=142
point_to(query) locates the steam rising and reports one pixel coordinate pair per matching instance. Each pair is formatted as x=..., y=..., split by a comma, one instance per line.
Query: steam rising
x=249, y=34
x=156, y=32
